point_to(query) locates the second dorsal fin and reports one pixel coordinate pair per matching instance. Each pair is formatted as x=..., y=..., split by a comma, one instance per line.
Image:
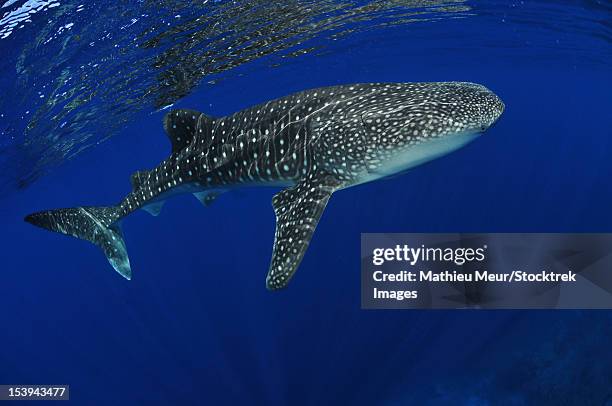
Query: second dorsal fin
x=183, y=125
x=138, y=178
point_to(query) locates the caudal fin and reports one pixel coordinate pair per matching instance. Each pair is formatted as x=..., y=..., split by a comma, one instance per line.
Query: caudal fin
x=95, y=224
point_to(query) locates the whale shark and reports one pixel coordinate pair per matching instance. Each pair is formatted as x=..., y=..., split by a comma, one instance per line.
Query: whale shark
x=311, y=144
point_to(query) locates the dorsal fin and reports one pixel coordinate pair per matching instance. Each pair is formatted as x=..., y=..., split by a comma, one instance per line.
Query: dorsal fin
x=183, y=125
x=137, y=178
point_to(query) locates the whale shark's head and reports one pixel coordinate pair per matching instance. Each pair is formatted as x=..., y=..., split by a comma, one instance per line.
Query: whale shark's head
x=409, y=124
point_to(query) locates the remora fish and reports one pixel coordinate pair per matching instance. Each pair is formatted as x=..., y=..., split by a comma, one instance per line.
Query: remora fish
x=313, y=143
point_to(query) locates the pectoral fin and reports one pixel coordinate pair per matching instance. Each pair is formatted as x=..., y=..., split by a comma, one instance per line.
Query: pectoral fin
x=298, y=211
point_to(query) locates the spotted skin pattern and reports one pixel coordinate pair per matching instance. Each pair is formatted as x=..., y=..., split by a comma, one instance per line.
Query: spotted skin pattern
x=312, y=143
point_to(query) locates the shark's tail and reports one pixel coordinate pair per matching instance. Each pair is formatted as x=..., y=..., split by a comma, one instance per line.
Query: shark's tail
x=98, y=225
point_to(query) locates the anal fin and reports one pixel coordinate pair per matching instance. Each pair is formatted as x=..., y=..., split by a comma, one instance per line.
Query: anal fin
x=298, y=210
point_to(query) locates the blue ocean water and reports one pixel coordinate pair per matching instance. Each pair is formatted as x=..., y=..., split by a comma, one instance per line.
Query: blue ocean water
x=83, y=90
